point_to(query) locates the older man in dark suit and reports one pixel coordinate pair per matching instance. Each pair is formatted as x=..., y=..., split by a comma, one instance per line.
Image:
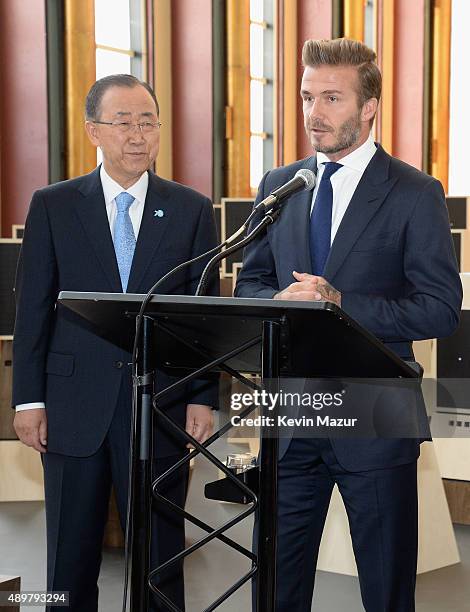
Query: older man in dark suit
x=120, y=228
x=375, y=240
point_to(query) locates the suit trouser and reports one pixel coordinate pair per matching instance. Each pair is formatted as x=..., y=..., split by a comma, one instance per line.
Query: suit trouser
x=382, y=510
x=77, y=491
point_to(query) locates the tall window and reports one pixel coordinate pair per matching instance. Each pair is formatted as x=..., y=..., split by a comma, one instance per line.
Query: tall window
x=113, y=37
x=119, y=39
x=261, y=89
x=459, y=128
x=370, y=18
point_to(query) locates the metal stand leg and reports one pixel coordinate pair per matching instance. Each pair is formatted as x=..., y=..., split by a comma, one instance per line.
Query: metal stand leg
x=263, y=564
x=266, y=580
x=142, y=472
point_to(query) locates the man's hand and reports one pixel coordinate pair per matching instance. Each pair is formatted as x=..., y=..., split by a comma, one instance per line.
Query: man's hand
x=310, y=288
x=199, y=422
x=31, y=428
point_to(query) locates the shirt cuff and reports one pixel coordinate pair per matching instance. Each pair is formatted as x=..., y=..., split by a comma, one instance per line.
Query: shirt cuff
x=30, y=406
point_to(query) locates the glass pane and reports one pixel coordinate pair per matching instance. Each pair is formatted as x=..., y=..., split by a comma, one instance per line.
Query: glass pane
x=256, y=51
x=256, y=10
x=112, y=23
x=369, y=24
x=256, y=106
x=256, y=161
x=459, y=122
x=111, y=62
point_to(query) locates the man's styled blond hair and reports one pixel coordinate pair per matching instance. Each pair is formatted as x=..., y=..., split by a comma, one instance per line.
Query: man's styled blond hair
x=346, y=52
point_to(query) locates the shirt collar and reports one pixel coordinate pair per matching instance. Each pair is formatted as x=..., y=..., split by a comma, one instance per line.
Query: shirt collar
x=357, y=159
x=111, y=189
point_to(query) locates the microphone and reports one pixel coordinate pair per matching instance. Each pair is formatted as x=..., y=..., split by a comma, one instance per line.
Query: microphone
x=303, y=179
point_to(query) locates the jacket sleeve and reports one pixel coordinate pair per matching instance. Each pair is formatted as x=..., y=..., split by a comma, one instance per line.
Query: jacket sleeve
x=257, y=278
x=431, y=306
x=35, y=293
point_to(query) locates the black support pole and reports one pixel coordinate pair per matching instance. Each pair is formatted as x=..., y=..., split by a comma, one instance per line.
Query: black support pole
x=142, y=476
x=267, y=534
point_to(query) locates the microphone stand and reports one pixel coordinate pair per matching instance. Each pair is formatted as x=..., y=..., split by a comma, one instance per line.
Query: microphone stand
x=136, y=561
x=266, y=540
x=268, y=219
x=139, y=477
x=303, y=179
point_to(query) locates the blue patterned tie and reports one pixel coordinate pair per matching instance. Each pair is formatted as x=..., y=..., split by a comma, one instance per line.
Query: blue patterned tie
x=320, y=220
x=124, y=238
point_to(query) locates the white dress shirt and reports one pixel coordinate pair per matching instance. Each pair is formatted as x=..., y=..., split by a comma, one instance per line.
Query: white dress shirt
x=111, y=189
x=345, y=180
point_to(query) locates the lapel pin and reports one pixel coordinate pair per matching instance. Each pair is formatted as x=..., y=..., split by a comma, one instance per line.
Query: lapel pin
x=158, y=213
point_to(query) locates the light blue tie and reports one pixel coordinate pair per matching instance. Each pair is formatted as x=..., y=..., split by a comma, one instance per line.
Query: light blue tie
x=124, y=238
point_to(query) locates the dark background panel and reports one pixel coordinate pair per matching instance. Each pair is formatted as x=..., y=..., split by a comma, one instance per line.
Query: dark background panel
x=457, y=238
x=6, y=412
x=453, y=362
x=457, y=212
x=9, y=253
x=236, y=213
x=217, y=214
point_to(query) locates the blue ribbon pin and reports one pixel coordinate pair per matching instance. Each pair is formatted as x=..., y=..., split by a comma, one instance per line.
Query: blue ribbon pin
x=158, y=213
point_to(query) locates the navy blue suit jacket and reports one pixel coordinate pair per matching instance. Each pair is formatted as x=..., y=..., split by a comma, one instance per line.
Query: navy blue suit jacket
x=67, y=246
x=392, y=259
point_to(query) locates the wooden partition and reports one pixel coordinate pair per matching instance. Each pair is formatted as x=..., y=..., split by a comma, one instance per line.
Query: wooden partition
x=6, y=412
x=10, y=584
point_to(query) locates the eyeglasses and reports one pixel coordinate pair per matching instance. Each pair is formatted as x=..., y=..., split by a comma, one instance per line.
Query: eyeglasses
x=146, y=127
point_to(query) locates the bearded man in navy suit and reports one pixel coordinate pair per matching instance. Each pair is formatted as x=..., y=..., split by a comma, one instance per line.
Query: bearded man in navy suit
x=375, y=240
x=120, y=228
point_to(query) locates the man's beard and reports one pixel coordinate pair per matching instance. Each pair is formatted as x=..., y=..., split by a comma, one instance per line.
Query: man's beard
x=348, y=135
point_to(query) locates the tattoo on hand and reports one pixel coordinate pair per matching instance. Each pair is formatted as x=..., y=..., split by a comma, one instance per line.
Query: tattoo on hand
x=329, y=293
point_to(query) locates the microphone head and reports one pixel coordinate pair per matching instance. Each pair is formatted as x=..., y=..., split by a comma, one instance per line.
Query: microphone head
x=308, y=177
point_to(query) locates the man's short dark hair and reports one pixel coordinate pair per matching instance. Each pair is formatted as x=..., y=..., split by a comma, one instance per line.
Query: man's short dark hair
x=100, y=87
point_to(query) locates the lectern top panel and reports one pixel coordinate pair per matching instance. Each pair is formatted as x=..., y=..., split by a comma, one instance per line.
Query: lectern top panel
x=317, y=338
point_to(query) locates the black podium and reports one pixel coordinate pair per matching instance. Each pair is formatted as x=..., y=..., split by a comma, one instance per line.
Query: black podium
x=192, y=336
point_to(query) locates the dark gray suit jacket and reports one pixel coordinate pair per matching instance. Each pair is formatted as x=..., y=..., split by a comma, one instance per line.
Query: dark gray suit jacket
x=67, y=246
x=392, y=259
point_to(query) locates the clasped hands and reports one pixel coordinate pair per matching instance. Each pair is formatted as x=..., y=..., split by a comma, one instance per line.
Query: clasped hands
x=310, y=288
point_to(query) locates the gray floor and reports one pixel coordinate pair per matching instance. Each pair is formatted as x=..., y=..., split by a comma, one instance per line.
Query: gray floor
x=211, y=570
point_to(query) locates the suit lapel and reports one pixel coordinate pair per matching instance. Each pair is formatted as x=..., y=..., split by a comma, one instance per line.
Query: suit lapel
x=152, y=229
x=370, y=193
x=91, y=209
x=294, y=228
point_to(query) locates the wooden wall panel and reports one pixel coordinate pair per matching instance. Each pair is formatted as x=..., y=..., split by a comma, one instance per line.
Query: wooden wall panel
x=80, y=74
x=23, y=108
x=440, y=91
x=191, y=49
x=21, y=475
x=163, y=85
x=408, y=93
x=10, y=584
x=6, y=412
x=354, y=13
x=314, y=20
x=386, y=61
x=237, y=134
x=290, y=91
x=458, y=498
